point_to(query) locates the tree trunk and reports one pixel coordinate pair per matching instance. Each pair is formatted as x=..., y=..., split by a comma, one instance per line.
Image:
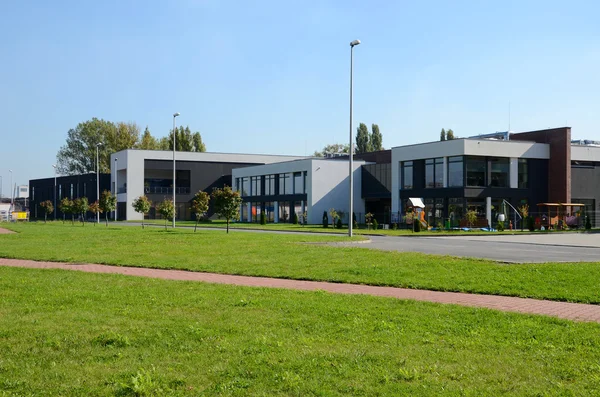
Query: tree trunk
x=45, y=217
x=72, y=219
x=165, y=223
x=227, y=225
x=196, y=225
x=83, y=219
x=106, y=217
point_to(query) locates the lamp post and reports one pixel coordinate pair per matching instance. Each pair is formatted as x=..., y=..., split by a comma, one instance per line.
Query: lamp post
x=98, y=180
x=1, y=183
x=351, y=154
x=11, y=192
x=54, y=166
x=116, y=187
x=174, y=141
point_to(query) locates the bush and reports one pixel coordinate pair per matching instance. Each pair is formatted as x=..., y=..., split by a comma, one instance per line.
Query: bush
x=530, y=223
x=295, y=219
x=394, y=226
x=588, y=224
x=500, y=226
x=263, y=218
x=325, y=219
x=417, y=225
x=375, y=224
x=339, y=223
x=439, y=226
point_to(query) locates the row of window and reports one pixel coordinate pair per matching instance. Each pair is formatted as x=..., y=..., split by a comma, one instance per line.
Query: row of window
x=479, y=172
x=271, y=185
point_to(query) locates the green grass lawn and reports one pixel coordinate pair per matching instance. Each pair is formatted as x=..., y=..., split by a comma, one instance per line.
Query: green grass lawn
x=78, y=334
x=289, y=256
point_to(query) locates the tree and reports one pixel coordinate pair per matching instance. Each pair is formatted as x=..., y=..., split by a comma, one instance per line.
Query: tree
x=443, y=135
x=376, y=138
x=66, y=207
x=200, y=205
x=362, y=139
x=108, y=203
x=227, y=204
x=166, y=209
x=450, y=135
x=80, y=206
x=334, y=148
x=471, y=217
x=94, y=208
x=524, y=211
x=48, y=208
x=142, y=205
x=333, y=214
x=186, y=141
x=147, y=141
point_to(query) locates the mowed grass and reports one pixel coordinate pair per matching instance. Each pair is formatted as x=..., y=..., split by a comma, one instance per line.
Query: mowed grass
x=297, y=257
x=78, y=334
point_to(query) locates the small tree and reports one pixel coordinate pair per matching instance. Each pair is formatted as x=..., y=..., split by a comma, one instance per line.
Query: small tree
x=200, y=206
x=471, y=217
x=325, y=219
x=48, y=208
x=375, y=224
x=524, y=211
x=227, y=204
x=295, y=218
x=142, y=206
x=166, y=209
x=450, y=135
x=304, y=218
x=80, y=207
x=263, y=218
x=333, y=214
x=66, y=207
x=94, y=208
x=369, y=219
x=339, y=224
x=443, y=135
x=108, y=203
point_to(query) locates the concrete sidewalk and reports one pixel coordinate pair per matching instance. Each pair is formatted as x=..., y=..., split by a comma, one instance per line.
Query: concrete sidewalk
x=569, y=311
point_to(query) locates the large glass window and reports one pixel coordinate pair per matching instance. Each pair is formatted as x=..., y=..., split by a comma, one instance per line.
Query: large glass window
x=285, y=184
x=256, y=186
x=476, y=167
x=298, y=183
x=455, y=171
x=455, y=211
x=499, y=172
x=245, y=186
x=434, y=172
x=407, y=175
x=523, y=174
x=269, y=185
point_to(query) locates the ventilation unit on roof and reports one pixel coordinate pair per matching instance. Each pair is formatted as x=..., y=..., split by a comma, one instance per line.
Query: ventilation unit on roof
x=585, y=142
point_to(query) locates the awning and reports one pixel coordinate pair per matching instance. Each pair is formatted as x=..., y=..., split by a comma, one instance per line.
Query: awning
x=415, y=202
x=561, y=204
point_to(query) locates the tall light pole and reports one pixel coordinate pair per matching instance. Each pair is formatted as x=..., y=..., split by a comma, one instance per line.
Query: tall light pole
x=116, y=187
x=351, y=154
x=1, y=183
x=54, y=166
x=174, y=134
x=98, y=180
x=11, y=193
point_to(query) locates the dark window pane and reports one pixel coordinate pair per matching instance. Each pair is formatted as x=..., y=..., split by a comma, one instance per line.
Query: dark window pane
x=499, y=172
x=476, y=167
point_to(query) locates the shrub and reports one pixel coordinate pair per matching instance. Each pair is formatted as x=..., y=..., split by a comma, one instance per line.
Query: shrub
x=375, y=224
x=417, y=225
x=339, y=223
x=325, y=219
x=394, y=226
x=530, y=223
x=263, y=218
x=500, y=226
x=295, y=219
x=588, y=224
x=439, y=225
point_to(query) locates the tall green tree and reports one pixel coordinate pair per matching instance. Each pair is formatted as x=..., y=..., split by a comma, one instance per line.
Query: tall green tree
x=363, y=144
x=334, y=148
x=227, y=204
x=200, y=206
x=450, y=135
x=376, y=138
x=443, y=135
x=186, y=141
x=147, y=141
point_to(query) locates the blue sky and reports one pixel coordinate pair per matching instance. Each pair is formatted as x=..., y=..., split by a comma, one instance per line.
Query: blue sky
x=273, y=76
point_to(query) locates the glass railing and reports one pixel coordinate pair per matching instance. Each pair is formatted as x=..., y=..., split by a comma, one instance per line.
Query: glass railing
x=166, y=190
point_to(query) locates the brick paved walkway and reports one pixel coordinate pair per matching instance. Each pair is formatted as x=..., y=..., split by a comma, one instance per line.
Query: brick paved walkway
x=570, y=311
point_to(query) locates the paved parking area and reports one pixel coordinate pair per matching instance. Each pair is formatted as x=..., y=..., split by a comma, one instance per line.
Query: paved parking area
x=525, y=248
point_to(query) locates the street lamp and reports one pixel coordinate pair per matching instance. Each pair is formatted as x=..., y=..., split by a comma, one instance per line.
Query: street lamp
x=11, y=192
x=54, y=166
x=98, y=180
x=351, y=154
x=1, y=183
x=116, y=187
x=174, y=134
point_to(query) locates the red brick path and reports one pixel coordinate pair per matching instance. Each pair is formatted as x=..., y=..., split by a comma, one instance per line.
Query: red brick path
x=570, y=311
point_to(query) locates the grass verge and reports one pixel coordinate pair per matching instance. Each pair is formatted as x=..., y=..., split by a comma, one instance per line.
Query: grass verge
x=69, y=333
x=287, y=256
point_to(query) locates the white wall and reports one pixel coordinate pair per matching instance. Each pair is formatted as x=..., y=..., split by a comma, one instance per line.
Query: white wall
x=585, y=153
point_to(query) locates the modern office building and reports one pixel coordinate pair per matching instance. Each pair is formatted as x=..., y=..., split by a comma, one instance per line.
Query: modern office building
x=72, y=186
x=310, y=185
x=150, y=173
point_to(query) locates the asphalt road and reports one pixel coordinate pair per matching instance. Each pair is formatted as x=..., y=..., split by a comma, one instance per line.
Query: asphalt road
x=517, y=249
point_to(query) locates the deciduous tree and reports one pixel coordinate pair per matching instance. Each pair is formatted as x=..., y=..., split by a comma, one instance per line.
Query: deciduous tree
x=227, y=204
x=66, y=207
x=108, y=203
x=147, y=141
x=80, y=206
x=450, y=135
x=443, y=135
x=94, y=208
x=48, y=208
x=142, y=205
x=376, y=138
x=166, y=209
x=363, y=144
x=200, y=206
x=334, y=148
